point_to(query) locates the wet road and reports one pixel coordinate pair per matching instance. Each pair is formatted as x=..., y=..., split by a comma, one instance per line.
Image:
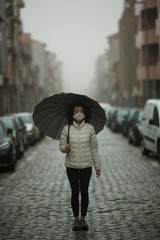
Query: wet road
x=124, y=201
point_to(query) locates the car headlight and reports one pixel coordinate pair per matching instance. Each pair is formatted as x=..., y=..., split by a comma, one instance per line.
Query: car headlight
x=4, y=146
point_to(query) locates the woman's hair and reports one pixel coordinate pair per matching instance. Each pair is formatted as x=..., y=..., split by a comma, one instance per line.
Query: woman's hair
x=70, y=111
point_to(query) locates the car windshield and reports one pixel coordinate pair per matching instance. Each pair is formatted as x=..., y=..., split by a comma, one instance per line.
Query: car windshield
x=111, y=110
x=26, y=119
x=17, y=121
x=8, y=123
x=132, y=112
x=1, y=130
x=122, y=112
x=140, y=116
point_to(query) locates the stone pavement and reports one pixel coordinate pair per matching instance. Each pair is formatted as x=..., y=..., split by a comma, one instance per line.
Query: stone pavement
x=124, y=200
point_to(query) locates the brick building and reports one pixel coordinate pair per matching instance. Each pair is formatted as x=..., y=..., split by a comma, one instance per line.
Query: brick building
x=129, y=94
x=147, y=43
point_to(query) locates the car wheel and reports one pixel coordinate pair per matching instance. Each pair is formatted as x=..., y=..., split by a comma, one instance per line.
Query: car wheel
x=130, y=140
x=134, y=140
x=22, y=154
x=113, y=127
x=23, y=149
x=143, y=149
x=13, y=163
x=123, y=131
x=18, y=154
x=129, y=137
x=14, y=154
x=26, y=146
x=12, y=167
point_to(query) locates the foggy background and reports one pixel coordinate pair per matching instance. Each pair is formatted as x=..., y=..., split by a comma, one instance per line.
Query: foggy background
x=76, y=31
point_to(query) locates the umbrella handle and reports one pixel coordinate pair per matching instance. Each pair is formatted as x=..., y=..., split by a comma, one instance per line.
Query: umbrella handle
x=68, y=134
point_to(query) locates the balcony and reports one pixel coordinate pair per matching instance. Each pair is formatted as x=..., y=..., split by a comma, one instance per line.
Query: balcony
x=158, y=70
x=8, y=79
x=9, y=43
x=158, y=27
x=12, y=12
x=140, y=38
x=141, y=72
x=140, y=7
x=20, y=3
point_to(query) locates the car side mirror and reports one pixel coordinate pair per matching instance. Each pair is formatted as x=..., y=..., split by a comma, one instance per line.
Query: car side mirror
x=152, y=122
x=9, y=130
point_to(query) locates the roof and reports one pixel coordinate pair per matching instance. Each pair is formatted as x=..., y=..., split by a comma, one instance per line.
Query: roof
x=154, y=101
x=116, y=35
x=22, y=113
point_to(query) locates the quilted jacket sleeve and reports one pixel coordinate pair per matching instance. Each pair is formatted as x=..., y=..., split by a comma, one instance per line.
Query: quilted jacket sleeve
x=63, y=140
x=94, y=149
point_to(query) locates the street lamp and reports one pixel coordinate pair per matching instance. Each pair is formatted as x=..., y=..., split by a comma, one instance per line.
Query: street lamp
x=146, y=49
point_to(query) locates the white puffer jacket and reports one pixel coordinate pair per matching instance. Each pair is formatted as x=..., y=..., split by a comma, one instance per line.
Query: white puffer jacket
x=84, y=146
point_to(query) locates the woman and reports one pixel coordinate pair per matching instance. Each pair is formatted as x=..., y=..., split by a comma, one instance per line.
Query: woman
x=81, y=155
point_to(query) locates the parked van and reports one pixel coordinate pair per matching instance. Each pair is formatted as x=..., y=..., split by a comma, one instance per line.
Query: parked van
x=150, y=127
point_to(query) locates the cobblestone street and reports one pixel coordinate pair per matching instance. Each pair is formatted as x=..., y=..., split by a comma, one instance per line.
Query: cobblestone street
x=124, y=200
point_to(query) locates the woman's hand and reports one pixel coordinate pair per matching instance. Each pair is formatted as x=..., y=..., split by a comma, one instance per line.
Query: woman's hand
x=98, y=172
x=68, y=147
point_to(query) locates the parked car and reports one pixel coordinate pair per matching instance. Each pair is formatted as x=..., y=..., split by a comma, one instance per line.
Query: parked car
x=7, y=147
x=126, y=121
x=150, y=127
x=106, y=107
x=33, y=134
x=10, y=122
x=117, y=119
x=22, y=128
x=134, y=127
x=39, y=135
x=109, y=116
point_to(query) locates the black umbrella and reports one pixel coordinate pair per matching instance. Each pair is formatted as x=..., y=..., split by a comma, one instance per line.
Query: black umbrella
x=50, y=115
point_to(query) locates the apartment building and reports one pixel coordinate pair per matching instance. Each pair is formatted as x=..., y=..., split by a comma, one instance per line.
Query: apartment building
x=147, y=43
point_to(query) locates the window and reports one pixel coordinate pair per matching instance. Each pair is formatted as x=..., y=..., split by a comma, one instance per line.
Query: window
x=148, y=111
x=8, y=123
x=140, y=116
x=156, y=116
x=135, y=116
x=1, y=130
x=122, y=112
x=132, y=112
x=27, y=118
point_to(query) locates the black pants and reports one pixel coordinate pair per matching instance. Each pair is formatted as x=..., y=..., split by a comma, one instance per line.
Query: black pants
x=79, y=181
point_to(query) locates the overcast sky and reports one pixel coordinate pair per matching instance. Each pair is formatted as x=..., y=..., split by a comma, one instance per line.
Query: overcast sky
x=76, y=30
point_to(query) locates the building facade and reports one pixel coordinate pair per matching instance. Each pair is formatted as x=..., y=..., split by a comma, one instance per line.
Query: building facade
x=30, y=75
x=26, y=69
x=11, y=82
x=158, y=34
x=147, y=43
x=129, y=93
x=39, y=59
x=112, y=78
x=101, y=84
x=3, y=54
x=54, y=74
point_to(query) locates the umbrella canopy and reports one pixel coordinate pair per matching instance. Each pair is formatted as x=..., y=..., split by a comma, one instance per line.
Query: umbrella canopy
x=50, y=115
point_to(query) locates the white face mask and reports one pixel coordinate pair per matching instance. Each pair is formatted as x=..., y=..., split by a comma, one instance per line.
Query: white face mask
x=79, y=116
